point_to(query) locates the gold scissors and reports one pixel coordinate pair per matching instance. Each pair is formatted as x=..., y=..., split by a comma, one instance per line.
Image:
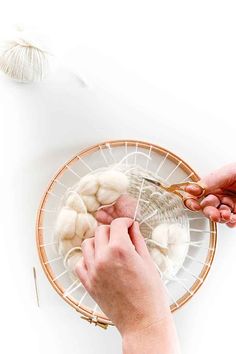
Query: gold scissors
x=178, y=188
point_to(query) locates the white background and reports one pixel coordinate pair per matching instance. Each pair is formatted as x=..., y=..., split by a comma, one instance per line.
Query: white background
x=161, y=71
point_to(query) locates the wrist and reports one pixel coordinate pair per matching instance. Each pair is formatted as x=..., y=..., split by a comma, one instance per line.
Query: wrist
x=157, y=337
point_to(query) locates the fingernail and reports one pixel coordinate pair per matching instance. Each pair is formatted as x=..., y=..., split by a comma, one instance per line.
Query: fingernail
x=195, y=207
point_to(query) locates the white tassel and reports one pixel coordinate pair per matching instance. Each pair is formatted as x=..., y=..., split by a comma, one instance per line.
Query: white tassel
x=23, y=56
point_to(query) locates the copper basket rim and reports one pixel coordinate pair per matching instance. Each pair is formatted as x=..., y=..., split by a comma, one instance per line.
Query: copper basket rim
x=39, y=233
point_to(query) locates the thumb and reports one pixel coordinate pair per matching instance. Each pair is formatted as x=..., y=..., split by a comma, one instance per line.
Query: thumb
x=223, y=178
x=138, y=240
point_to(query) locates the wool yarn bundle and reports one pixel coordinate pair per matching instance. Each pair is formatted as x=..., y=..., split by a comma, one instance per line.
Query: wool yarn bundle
x=23, y=56
x=76, y=219
x=168, y=247
x=102, y=188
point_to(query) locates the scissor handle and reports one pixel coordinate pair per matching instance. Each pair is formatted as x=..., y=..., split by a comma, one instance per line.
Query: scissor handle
x=181, y=187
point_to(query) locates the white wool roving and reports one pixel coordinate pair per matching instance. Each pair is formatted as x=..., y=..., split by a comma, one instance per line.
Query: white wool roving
x=75, y=221
x=75, y=201
x=107, y=196
x=88, y=185
x=112, y=184
x=85, y=225
x=23, y=56
x=160, y=235
x=164, y=264
x=114, y=180
x=101, y=188
x=91, y=202
x=65, y=223
x=170, y=249
x=72, y=228
x=64, y=246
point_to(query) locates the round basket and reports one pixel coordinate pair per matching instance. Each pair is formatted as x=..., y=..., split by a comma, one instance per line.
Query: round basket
x=152, y=160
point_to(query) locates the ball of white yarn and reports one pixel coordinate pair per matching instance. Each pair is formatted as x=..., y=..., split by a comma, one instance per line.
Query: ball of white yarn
x=23, y=57
x=65, y=224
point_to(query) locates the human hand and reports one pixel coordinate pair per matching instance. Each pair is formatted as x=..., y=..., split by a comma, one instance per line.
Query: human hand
x=218, y=205
x=124, y=206
x=120, y=275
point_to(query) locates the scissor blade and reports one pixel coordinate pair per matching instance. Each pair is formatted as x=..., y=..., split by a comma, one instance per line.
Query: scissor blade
x=153, y=181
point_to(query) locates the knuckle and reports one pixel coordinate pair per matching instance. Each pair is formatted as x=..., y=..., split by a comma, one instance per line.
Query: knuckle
x=117, y=221
x=102, y=228
x=100, y=263
x=118, y=250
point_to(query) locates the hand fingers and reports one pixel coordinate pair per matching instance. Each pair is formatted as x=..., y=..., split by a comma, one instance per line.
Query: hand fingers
x=232, y=222
x=212, y=213
x=102, y=234
x=138, y=240
x=88, y=253
x=228, y=201
x=210, y=200
x=224, y=177
x=81, y=271
x=119, y=231
x=225, y=213
x=125, y=206
x=195, y=190
x=224, y=204
x=103, y=217
x=192, y=204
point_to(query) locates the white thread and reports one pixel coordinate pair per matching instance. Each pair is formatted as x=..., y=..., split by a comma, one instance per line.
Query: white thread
x=60, y=183
x=173, y=171
x=72, y=171
x=70, y=287
x=103, y=155
x=131, y=154
x=48, y=244
x=73, y=289
x=149, y=158
x=82, y=298
x=110, y=152
x=60, y=275
x=161, y=164
x=137, y=205
x=53, y=260
x=84, y=163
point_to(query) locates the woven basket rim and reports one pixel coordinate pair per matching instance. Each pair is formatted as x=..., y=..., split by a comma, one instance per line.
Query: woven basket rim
x=40, y=218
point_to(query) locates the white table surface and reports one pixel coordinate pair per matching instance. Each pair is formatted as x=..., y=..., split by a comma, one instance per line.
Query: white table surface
x=163, y=72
